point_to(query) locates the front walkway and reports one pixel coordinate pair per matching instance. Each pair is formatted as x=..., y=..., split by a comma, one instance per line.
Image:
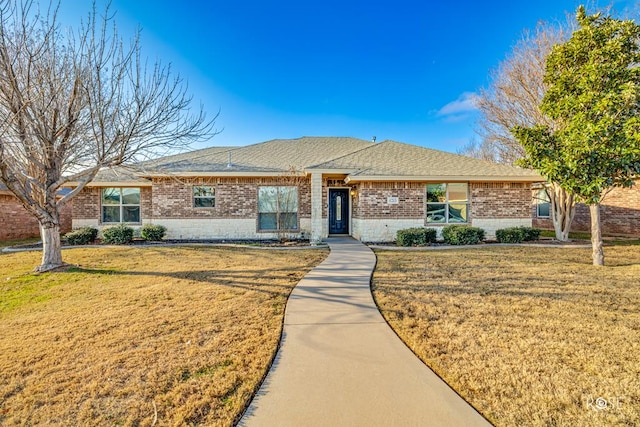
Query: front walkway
x=340, y=364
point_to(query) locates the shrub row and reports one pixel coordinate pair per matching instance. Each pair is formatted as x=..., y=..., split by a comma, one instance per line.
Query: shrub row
x=416, y=236
x=152, y=232
x=462, y=235
x=517, y=234
x=81, y=236
x=117, y=235
x=452, y=235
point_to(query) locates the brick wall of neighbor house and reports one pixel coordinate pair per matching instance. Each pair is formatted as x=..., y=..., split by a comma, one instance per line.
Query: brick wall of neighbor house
x=17, y=223
x=619, y=214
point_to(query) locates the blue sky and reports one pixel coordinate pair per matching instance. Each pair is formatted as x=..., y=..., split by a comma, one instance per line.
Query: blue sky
x=401, y=70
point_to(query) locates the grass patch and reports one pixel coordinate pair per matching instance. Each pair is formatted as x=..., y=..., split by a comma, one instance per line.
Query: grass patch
x=529, y=336
x=578, y=235
x=184, y=334
x=16, y=242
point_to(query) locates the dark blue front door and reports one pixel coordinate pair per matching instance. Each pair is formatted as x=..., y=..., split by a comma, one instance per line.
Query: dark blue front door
x=339, y=211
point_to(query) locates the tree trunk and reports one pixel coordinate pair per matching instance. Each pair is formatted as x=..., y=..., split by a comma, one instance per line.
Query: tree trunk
x=596, y=235
x=51, y=250
x=562, y=211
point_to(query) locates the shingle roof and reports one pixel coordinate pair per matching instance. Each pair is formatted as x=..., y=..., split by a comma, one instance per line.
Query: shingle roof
x=397, y=159
x=361, y=159
x=120, y=174
x=278, y=155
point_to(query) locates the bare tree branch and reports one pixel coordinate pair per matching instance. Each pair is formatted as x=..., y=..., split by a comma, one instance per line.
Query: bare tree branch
x=73, y=101
x=513, y=99
x=515, y=92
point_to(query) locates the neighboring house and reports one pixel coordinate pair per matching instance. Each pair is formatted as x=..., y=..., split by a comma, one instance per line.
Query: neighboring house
x=17, y=223
x=619, y=212
x=309, y=187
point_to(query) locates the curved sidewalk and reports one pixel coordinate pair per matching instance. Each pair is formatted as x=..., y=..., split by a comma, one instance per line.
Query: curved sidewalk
x=340, y=364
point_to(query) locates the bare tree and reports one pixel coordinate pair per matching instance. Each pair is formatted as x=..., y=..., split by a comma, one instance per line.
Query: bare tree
x=512, y=99
x=73, y=101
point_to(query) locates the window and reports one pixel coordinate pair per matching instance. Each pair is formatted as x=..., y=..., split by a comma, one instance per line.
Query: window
x=120, y=205
x=277, y=208
x=204, y=197
x=543, y=204
x=447, y=203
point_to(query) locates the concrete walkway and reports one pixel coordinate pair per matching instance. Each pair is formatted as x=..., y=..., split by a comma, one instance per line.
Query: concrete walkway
x=340, y=364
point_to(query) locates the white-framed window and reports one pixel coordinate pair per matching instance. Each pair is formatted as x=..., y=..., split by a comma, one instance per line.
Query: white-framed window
x=277, y=208
x=120, y=205
x=204, y=197
x=543, y=204
x=447, y=203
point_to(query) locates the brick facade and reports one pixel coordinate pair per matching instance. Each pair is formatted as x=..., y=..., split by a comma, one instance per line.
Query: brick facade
x=17, y=223
x=86, y=204
x=170, y=202
x=619, y=214
x=371, y=200
x=500, y=200
x=488, y=200
x=234, y=197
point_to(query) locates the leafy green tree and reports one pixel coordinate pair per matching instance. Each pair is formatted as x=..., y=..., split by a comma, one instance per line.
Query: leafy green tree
x=594, y=97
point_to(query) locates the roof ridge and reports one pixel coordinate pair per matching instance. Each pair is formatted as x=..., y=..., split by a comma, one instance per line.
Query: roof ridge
x=373, y=144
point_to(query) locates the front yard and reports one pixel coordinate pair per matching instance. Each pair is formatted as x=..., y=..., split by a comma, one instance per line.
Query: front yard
x=529, y=336
x=164, y=336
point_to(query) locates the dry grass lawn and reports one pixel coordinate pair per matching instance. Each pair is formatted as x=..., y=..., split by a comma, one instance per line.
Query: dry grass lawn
x=529, y=336
x=141, y=336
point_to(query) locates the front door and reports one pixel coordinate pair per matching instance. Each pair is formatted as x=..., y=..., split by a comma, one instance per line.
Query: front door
x=339, y=211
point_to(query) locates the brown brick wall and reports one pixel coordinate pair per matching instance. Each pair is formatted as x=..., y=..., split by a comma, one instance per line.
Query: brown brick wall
x=371, y=200
x=86, y=204
x=500, y=200
x=619, y=214
x=488, y=200
x=235, y=197
x=17, y=223
x=170, y=198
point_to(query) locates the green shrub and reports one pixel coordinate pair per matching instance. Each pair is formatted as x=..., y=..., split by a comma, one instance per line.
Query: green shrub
x=81, y=236
x=153, y=232
x=531, y=233
x=510, y=235
x=462, y=235
x=416, y=236
x=117, y=235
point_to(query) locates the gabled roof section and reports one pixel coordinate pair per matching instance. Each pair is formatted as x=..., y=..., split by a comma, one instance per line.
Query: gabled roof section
x=275, y=156
x=391, y=160
x=359, y=159
x=120, y=175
